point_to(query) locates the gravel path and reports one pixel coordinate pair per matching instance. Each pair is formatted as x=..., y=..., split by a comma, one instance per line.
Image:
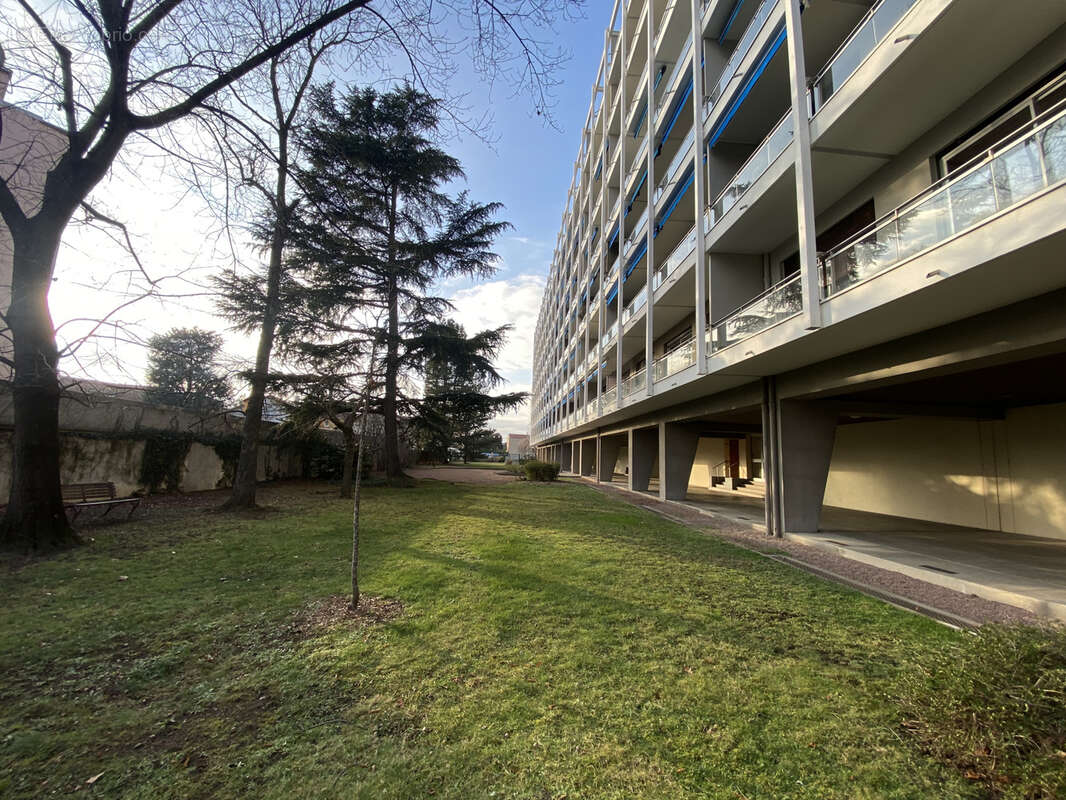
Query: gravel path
x=962, y=605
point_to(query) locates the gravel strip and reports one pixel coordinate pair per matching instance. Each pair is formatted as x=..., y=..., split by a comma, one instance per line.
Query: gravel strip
x=956, y=603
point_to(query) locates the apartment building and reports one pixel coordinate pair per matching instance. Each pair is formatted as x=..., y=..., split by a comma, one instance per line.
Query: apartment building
x=816, y=251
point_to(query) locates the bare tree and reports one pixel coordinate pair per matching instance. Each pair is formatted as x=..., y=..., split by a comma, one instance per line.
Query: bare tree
x=119, y=68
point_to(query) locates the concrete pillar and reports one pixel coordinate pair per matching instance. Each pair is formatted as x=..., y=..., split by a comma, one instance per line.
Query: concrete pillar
x=643, y=450
x=805, y=431
x=588, y=457
x=608, y=456
x=566, y=456
x=677, y=451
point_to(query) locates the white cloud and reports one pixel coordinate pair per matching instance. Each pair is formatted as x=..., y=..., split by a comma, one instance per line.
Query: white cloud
x=516, y=302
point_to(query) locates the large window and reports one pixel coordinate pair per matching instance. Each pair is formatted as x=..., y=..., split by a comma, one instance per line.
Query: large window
x=977, y=142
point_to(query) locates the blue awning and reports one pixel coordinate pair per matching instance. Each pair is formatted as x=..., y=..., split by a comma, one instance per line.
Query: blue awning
x=746, y=88
x=675, y=197
x=676, y=113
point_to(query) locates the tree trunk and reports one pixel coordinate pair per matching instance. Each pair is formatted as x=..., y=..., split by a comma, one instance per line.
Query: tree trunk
x=393, y=469
x=349, y=458
x=359, y=483
x=35, y=519
x=246, y=476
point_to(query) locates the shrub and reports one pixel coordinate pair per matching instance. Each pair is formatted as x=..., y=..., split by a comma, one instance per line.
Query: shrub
x=541, y=471
x=516, y=469
x=993, y=705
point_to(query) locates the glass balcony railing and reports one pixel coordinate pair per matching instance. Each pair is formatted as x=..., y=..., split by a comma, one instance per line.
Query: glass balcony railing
x=1013, y=170
x=762, y=13
x=679, y=358
x=758, y=162
x=675, y=78
x=679, y=160
x=878, y=21
x=634, y=383
x=608, y=337
x=610, y=400
x=637, y=163
x=635, y=305
x=776, y=304
x=637, y=231
x=675, y=259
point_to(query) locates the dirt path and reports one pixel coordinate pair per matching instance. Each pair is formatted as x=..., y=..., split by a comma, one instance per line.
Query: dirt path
x=472, y=475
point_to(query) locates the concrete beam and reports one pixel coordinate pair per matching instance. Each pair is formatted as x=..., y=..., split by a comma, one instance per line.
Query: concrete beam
x=643, y=450
x=677, y=450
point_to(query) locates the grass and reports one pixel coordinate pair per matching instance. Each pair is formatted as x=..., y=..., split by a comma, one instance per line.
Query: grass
x=554, y=643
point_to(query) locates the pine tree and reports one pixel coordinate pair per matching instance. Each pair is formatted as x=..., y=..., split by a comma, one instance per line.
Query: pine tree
x=378, y=229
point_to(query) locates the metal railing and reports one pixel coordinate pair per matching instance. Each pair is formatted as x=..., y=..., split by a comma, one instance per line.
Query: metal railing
x=635, y=305
x=758, y=162
x=634, y=383
x=1016, y=168
x=610, y=400
x=776, y=304
x=675, y=259
x=681, y=357
x=871, y=29
x=638, y=231
x=679, y=160
x=729, y=72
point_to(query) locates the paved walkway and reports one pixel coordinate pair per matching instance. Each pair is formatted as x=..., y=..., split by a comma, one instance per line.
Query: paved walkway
x=1027, y=572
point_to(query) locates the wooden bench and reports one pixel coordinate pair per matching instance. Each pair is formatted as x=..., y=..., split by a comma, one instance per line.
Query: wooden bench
x=78, y=496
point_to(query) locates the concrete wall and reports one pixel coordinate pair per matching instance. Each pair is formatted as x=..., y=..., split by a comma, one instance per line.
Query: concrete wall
x=1005, y=475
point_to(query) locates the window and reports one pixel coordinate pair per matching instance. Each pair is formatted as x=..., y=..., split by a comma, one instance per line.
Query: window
x=971, y=146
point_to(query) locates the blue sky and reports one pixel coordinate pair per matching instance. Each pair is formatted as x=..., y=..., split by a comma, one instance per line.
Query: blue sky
x=528, y=168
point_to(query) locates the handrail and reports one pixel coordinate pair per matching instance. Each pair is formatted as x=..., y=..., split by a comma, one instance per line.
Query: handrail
x=759, y=297
x=729, y=71
x=676, y=163
x=871, y=13
x=762, y=150
x=1044, y=121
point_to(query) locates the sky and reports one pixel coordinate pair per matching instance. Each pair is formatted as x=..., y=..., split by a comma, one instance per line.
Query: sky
x=526, y=165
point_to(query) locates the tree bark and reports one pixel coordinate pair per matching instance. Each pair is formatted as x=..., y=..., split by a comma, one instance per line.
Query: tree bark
x=246, y=477
x=35, y=519
x=393, y=469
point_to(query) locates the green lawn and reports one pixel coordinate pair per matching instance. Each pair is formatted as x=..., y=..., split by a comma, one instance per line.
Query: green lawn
x=555, y=643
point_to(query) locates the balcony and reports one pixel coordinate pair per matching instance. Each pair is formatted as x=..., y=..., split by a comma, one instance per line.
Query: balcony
x=776, y=304
x=681, y=357
x=635, y=305
x=1007, y=174
x=679, y=161
x=675, y=259
x=609, y=401
x=758, y=162
x=732, y=67
x=634, y=383
x=878, y=21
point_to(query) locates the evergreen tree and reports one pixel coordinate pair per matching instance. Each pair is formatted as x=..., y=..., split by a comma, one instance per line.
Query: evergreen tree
x=183, y=370
x=378, y=230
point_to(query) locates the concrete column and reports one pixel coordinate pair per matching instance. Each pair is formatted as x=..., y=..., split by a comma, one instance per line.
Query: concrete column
x=566, y=456
x=608, y=457
x=677, y=450
x=805, y=430
x=643, y=450
x=770, y=472
x=699, y=194
x=801, y=140
x=588, y=457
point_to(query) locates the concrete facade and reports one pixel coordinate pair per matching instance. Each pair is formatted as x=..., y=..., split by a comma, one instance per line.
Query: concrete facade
x=817, y=256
